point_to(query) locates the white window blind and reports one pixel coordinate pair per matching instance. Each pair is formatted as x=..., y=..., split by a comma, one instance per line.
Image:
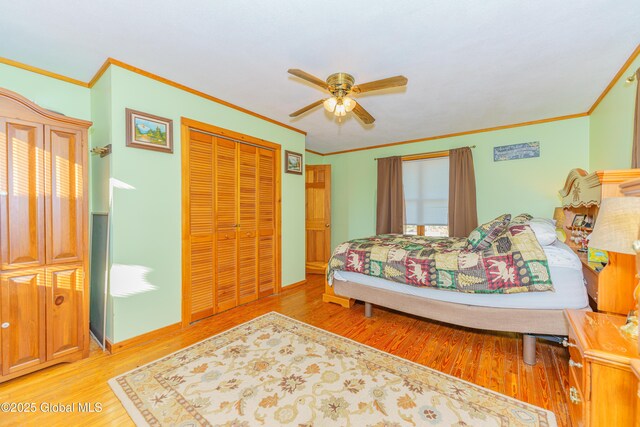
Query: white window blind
x=426, y=191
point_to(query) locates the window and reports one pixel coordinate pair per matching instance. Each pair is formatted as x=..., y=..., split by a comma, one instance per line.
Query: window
x=426, y=196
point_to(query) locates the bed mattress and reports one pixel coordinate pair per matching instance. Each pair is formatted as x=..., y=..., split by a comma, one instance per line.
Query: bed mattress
x=566, y=275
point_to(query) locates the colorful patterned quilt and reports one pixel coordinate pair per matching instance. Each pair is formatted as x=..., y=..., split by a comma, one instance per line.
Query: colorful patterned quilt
x=514, y=262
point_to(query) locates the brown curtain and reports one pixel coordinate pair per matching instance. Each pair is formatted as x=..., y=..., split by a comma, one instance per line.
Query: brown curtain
x=463, y=215
x=635, y=153
x=390, y=210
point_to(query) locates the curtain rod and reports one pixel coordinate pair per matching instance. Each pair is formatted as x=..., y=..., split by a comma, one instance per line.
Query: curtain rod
x=424, y=154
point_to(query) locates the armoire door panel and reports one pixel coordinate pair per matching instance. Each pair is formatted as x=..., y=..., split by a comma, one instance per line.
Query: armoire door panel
x=226, y=183
x=64, y=193
x=65, y=296
x=226, y=271
x=21, y=194
x=22, y=311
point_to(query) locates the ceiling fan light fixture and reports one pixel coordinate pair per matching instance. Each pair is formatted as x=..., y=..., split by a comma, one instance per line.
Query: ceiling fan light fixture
x=349, y=103
x=341, y=110
x=330, y=104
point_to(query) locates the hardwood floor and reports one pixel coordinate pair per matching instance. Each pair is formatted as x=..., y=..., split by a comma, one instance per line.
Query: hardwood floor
x=492, y=360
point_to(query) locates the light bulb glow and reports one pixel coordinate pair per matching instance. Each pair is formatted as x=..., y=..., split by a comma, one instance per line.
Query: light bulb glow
x=330, y=104
x=349, y=103
x=340, y=110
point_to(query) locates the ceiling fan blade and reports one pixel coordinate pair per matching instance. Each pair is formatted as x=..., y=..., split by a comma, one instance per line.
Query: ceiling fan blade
x=305, y=109
x=380, y=84
x=308, y=77
x=363, y=114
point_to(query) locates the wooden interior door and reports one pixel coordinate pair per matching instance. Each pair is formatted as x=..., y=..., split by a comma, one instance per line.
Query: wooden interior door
x=248, y=221
x=199, y=233
x=226, y=221
x=318, y=217
x=21, y=194
x=64, y=194
x=22, y=315
x=267, y=258
x=64, y=299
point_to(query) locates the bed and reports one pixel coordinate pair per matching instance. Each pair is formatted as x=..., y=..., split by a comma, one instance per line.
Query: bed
x=529, y=313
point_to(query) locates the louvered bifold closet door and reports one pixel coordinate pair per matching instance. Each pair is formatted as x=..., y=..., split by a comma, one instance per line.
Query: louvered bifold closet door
x=266, y=222
x=226, y=224
x=201, y=223
x=248, y=230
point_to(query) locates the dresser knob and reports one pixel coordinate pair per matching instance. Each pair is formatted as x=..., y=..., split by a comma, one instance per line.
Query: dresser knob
x=566, y=343
x=575, y=364
x=5, y=325
x=574, y=396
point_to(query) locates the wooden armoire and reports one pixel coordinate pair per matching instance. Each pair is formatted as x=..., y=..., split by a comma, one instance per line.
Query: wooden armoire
x=43, y=237
x=230, y=219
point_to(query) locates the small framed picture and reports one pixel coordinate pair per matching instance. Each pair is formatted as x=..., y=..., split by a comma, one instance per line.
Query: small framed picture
x=293, y=162
x=149, y=132
x=578, y=220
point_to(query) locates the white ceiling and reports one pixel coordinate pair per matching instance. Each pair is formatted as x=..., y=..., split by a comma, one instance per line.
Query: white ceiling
x=470, y=64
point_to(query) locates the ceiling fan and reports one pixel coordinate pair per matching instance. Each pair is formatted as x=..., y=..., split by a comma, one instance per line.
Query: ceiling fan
x=341, y=86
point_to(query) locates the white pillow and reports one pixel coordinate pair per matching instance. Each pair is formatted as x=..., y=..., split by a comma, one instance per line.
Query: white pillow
x=544, y=230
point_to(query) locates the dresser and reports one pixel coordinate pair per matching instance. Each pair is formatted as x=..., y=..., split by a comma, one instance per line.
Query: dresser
x=602, y=386
x=43, y=237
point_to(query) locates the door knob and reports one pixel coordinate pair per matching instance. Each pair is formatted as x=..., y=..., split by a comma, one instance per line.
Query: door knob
x=59, y=300
x=327, y=225
x=5, y=325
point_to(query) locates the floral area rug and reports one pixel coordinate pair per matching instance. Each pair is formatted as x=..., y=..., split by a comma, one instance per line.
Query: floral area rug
x=274, y=371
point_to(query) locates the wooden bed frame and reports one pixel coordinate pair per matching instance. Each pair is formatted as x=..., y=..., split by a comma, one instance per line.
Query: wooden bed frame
x=527, y=322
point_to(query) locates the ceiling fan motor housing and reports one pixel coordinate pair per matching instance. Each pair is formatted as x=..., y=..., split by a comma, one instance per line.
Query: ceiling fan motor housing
x=340, y=84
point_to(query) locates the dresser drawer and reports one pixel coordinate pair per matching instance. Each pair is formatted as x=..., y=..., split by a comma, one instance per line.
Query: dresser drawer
x=576, y=362
x=576, y=403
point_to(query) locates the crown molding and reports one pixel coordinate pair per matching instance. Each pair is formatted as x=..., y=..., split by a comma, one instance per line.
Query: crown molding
x=41, y=71
x=615, y=79
x=314, y=152
x=451, y=135
x=111, y=61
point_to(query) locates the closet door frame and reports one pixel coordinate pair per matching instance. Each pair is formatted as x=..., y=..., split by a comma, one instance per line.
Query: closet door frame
x=185, y=127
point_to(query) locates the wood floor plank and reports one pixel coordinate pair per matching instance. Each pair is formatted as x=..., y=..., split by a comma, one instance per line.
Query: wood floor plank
x=488, y=359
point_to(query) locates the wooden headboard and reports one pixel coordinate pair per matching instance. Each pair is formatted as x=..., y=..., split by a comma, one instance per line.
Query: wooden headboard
x=610, y=288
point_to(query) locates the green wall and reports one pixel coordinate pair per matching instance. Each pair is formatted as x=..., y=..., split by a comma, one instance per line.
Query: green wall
x=611, y=132
x=313, y=159
x=146, y=208
x=53, y=94
x=516, y=186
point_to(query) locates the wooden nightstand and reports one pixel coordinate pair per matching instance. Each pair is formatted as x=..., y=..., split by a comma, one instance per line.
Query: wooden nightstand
x=635, y=367
x=602, y=387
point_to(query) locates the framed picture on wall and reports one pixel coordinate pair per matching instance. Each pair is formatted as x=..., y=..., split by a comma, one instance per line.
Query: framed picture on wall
x=148, y=131
x=293, y=162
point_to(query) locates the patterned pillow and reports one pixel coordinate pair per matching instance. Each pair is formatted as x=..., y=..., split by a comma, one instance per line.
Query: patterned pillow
x=481, y=237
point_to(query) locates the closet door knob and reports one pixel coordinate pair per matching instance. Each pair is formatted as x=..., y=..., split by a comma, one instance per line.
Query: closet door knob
x=327, y=225
x=5, y=325
x=59, y=300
